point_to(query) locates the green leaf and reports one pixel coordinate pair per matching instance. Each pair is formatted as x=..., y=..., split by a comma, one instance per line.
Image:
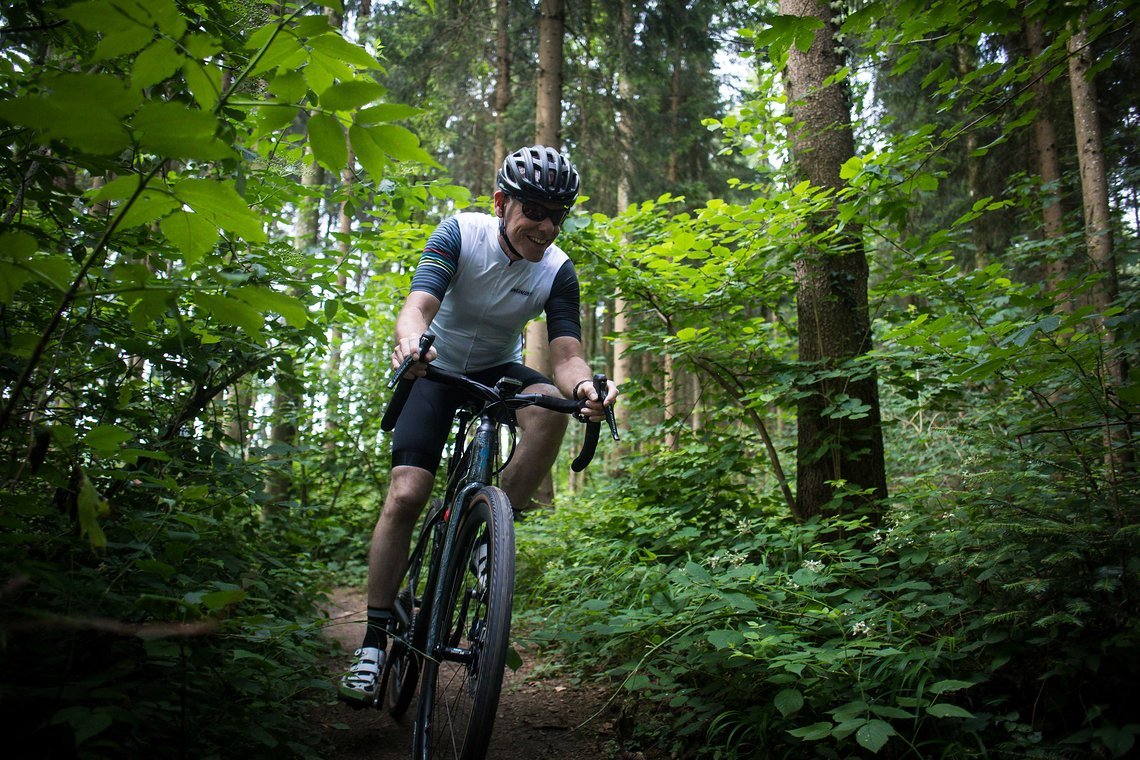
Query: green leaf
x=192, y=234
x=103, y=101
x=636, y=681
x=90, y=506
x=15, y=247
x=814, y=732
x=386, y=112
x=851, y=167
x=216, y=600
x=230, y=311
x=284, y=50
x=873, y=734
x=122, y=42
x=725, y=638
x=943, y=687
x=105, y=439
x=400, y=144
x=288, y=86
x=148, y=206
x=290, y=308
x=221, y=204
x=738, y=601
x=346, y=96
x=174, y=130
x=120, y=188
x=205, y=83
x=335, y=46
x=943, y=710
x=788, y=701
x=327, y=139
x=368, y=152
x=697, y=572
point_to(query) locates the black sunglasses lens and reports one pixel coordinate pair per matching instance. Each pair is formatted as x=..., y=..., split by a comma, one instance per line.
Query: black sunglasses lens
x=537, y=212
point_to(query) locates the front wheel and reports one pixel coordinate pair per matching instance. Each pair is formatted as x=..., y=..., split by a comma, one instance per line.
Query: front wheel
x=464, y=674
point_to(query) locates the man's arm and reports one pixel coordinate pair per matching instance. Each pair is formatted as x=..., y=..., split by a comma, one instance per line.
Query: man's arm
x=415, y=317
x=572, y=374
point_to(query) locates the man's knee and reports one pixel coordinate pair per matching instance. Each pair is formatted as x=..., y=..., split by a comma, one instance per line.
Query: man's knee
x=535, y=420
x=408, y=492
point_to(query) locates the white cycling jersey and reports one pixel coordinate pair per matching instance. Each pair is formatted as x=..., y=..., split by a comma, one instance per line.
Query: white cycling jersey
x=486, y=299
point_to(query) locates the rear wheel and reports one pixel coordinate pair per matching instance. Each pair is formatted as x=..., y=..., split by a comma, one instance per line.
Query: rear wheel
x=409, y=634
x=404, y=657
x=462, y=680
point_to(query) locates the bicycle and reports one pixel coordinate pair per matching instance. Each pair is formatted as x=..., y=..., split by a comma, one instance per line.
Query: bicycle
x=452, y=617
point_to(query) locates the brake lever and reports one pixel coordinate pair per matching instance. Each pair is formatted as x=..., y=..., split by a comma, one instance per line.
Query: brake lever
x=602, y=386
x=425, y=343
x=403, y=386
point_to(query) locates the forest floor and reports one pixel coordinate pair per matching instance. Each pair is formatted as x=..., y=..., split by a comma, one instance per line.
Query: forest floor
x=543, y=715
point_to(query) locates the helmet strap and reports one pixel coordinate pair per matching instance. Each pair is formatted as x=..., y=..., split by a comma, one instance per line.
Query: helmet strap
x=510, y=245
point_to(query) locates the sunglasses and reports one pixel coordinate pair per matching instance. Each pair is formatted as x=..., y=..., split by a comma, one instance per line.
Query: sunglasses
x=536, y=212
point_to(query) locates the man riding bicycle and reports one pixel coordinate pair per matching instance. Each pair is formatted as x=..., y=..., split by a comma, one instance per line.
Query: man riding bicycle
x=480, y=279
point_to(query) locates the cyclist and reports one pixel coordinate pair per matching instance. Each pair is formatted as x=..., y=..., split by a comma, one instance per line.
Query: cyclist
x=480, y=279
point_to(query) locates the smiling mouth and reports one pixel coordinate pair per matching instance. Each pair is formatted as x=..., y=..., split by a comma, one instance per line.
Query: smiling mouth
x=539, y=241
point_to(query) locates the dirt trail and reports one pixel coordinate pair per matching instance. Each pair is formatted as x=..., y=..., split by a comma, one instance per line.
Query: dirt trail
x=540, y=717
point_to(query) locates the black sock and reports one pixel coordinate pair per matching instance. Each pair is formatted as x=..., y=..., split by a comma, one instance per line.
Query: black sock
x=376, y=631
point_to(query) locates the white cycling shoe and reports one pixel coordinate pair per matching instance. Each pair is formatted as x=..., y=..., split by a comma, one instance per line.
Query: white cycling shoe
x=361, y=684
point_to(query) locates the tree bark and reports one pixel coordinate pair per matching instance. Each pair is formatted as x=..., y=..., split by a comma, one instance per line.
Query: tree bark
x=1048, y=164
x=547, y=131
x=623, y=360
x=1098, y=231
x=548, y=114
x=1094, y=177
x=502, y=78
x=834, y=322
x=288, y=391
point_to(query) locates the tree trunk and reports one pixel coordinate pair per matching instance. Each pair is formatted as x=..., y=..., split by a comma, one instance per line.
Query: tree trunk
x=834, y=323
x=334, y=412
x=1048, y=164
x=547, y=131
x=1098, y=229
x=548, y=113
x=623, y=361
x=964, y=57
x=288, y=391
x=1094, y=178
x=502, y=78
x=670, y=393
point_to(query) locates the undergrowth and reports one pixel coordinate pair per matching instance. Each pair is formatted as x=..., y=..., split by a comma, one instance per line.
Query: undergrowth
x=996, y=618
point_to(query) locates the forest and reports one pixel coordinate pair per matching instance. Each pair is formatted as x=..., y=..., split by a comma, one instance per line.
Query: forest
x=866, y=272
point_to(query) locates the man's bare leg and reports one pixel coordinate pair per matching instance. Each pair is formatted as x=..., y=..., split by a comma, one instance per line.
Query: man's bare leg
x=408, y=492
x=387, y=554
x=540, y=438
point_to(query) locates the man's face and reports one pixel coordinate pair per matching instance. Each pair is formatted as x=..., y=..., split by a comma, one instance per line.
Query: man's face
x=530, y=236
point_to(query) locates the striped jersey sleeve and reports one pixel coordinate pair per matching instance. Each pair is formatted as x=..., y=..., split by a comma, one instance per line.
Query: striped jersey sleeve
x=439, y=260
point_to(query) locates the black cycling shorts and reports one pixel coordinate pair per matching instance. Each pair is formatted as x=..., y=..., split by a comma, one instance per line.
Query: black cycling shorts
x=421, y=431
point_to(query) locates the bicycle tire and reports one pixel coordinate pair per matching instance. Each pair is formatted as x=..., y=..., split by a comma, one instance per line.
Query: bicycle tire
x=459, y=692
x=404, y=658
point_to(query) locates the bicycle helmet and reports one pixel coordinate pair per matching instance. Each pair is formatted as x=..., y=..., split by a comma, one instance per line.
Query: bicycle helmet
x=539, y=173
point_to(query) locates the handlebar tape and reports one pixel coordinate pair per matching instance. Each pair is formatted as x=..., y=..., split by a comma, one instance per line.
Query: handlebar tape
x=593, y=429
